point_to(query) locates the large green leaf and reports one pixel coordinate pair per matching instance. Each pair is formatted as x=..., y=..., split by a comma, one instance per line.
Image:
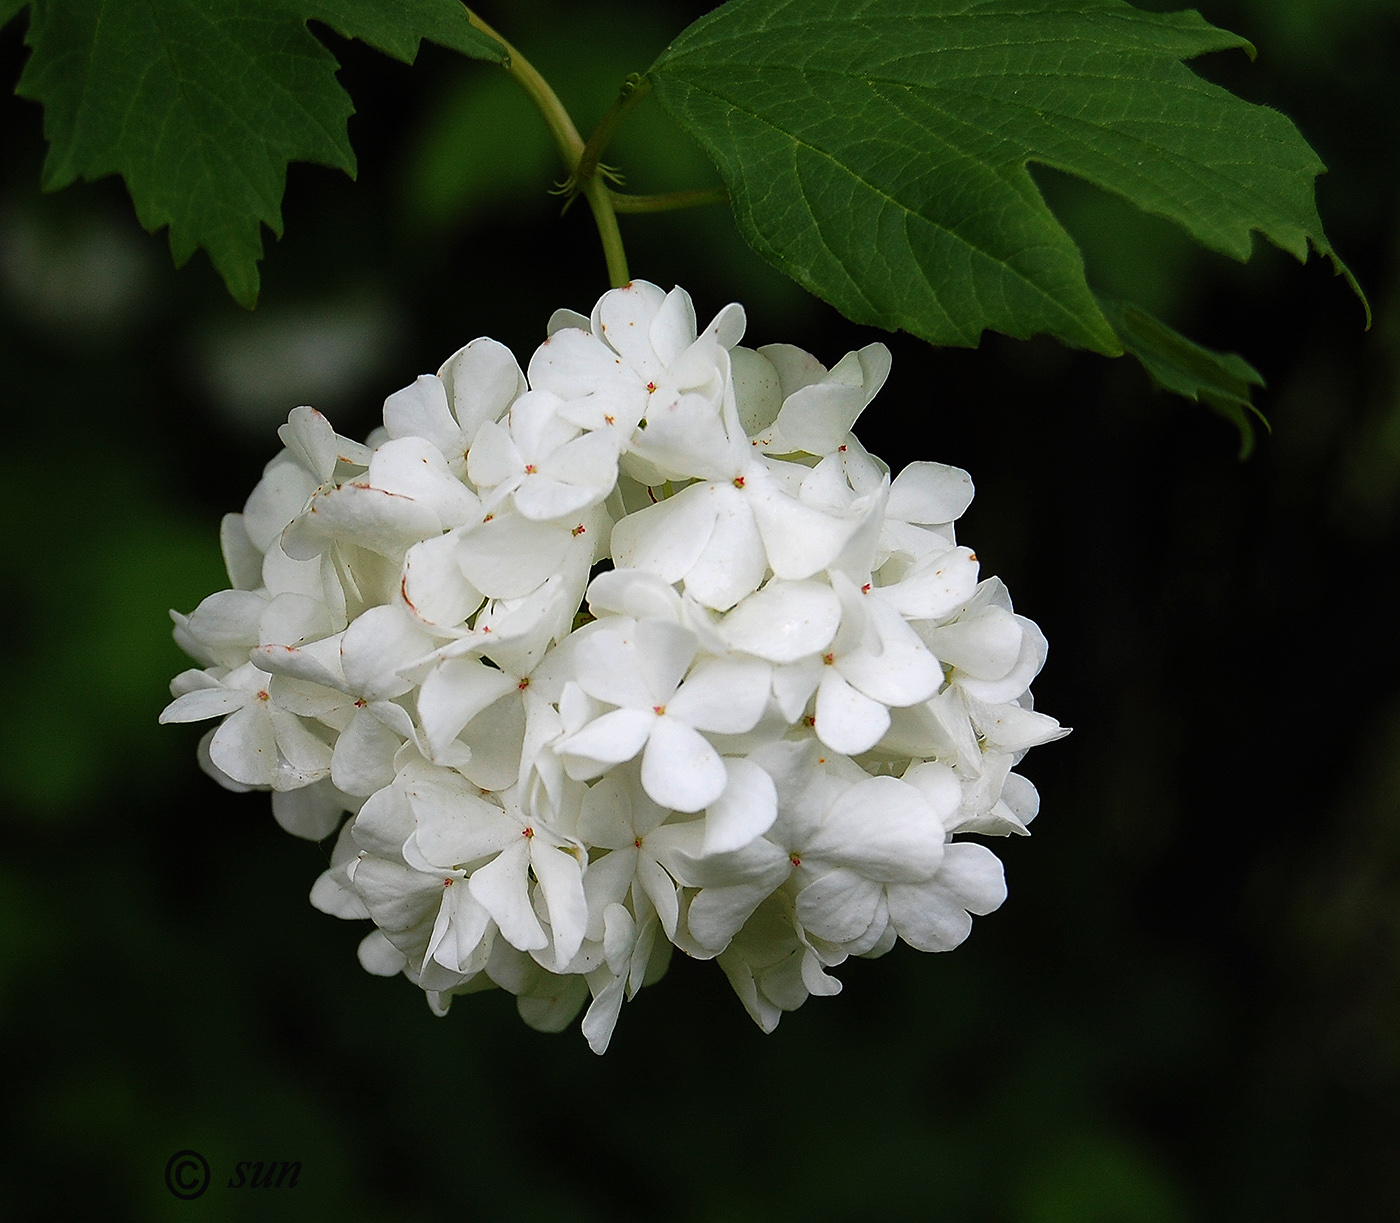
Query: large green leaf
x=200, y=107
x=877, y=150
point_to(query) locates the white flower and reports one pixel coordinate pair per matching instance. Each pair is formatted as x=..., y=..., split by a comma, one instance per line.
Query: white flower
x=641, y=667
x=646, y=652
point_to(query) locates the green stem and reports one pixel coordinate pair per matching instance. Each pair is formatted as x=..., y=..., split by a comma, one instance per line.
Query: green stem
x=571, y=148
x=633, y=91
x=668, y=201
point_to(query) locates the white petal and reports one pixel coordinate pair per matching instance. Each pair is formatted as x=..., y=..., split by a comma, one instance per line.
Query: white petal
x=293, y=620
x=930, y=493
x=673, y=328
x=433, y=586
x=733, y=562
x=510, y=556
x=601, y=1017
x=379, y=644
x=717, y=914
x=848, y=721
x=204, y=703
x=986, y=645
x=496, y=738
x=501, y=887
x=454, y=692
x=936, y=586
x=384, y=522
x=934, y=916
x=839, y=906
x=242, y=558
x=900, y=671
x=379, y=956
x=608, y=666
x=613, y=738
x=228, y=619
x=623, y=318
x=420, y=410
x=494, y=457
x=482, y=381
x=278, y=497
x=312, y=442
x=561, y=882
x=454, y=825
x=664, y=651
x=784, y=621
x=745, y=810
x=245, y=747
x=725, y=696
x=312, y=812
x=795, y=367
x=306, y=757
x=363, y=761
x=883, y=828
x=800, y=539
x=680, y=769
x=940, y=787
x=544, y=499
x=414, y=467
x=666, y=538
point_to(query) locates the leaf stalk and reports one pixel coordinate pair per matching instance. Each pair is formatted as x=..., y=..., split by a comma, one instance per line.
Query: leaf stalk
x=668, y=201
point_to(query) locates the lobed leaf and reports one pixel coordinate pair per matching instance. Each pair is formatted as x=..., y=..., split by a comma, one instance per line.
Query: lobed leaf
x=201, y=107
x=877, y=150
x=1223, y=381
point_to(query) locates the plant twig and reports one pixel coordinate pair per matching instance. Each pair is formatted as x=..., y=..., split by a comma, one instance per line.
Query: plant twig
x=571, y=149
x=634, y=89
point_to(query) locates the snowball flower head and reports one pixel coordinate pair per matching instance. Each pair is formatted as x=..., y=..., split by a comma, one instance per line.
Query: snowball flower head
x=641, y=651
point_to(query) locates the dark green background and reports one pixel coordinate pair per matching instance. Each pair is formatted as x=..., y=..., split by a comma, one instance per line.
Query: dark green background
x=1189, y=1008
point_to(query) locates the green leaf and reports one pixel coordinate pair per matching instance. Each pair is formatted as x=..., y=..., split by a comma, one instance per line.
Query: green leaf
x=397, y=26
x=200, y=107
x=8, y=10
x=1223, y=381
x=877, y=150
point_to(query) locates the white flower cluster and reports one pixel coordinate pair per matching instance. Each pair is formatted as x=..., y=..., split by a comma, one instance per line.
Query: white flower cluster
x=642, y=651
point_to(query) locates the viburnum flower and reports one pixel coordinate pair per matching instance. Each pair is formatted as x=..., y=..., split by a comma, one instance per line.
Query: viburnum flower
x=642, y=651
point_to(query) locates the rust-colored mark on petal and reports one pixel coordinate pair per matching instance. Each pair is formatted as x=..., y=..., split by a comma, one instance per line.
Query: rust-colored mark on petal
x=738, y=481
x=578, y=530
x=829, y=659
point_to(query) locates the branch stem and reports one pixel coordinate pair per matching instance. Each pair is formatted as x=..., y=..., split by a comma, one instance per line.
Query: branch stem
x=571, y=149
x=633, y=91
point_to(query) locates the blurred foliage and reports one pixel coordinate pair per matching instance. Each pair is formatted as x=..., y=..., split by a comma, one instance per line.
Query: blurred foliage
x=1188, y=1008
